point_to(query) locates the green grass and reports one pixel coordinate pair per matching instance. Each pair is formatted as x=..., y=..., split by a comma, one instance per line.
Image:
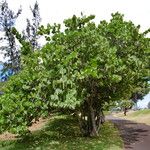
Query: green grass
x=141, y=112
x=62, y=133
x=107, y=113
x=139, y=116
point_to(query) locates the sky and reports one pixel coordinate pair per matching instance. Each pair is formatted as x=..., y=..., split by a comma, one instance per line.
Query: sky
x=55, y=11
x=58, y=10
x=143, y=103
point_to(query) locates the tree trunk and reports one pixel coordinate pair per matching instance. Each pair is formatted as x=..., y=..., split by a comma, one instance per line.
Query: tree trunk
x=125, y=111
x=90, y=120
x=100, y=119
x=94, y=131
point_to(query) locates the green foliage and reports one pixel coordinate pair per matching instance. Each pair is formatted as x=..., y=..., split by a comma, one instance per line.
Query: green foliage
x=81, y=68
x=126, y=104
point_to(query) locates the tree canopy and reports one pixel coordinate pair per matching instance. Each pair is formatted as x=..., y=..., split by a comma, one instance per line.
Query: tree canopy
x=80, y=68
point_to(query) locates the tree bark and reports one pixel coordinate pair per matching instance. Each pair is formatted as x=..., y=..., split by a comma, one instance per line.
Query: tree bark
x=94, y=131
x=90, y=119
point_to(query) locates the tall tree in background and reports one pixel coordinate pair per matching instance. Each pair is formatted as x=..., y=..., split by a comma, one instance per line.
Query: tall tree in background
x=32, y=27
x=10, y=50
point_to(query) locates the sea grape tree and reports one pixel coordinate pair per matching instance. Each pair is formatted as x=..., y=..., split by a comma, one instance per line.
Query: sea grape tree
x=81, y=68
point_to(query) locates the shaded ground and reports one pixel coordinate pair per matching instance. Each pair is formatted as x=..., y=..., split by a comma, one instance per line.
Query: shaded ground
x=136, y=136
x=63, y=133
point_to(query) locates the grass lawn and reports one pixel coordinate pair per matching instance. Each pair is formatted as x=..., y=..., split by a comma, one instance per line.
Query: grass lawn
x=62, y=133
x=141, y=112
x=141, y=116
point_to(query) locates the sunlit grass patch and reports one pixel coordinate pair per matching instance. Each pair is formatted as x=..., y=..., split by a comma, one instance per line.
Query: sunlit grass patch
x=140, y=116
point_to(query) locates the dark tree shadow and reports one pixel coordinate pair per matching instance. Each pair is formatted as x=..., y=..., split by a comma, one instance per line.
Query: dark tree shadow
x=131, y=132
x=57, y=131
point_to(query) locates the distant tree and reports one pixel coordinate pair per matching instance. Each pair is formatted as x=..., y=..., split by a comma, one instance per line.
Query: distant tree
x=140, y=91
x=10, y=50
x=125, y=105
x=31, y=32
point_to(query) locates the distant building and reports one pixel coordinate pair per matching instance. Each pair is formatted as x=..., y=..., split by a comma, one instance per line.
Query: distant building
x=143, y=103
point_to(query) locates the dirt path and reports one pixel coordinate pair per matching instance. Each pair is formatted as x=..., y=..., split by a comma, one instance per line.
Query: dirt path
x=36, y=126
x=136, y=136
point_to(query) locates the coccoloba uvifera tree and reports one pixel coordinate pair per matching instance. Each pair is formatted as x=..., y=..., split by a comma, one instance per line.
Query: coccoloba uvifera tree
x=82, y=68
